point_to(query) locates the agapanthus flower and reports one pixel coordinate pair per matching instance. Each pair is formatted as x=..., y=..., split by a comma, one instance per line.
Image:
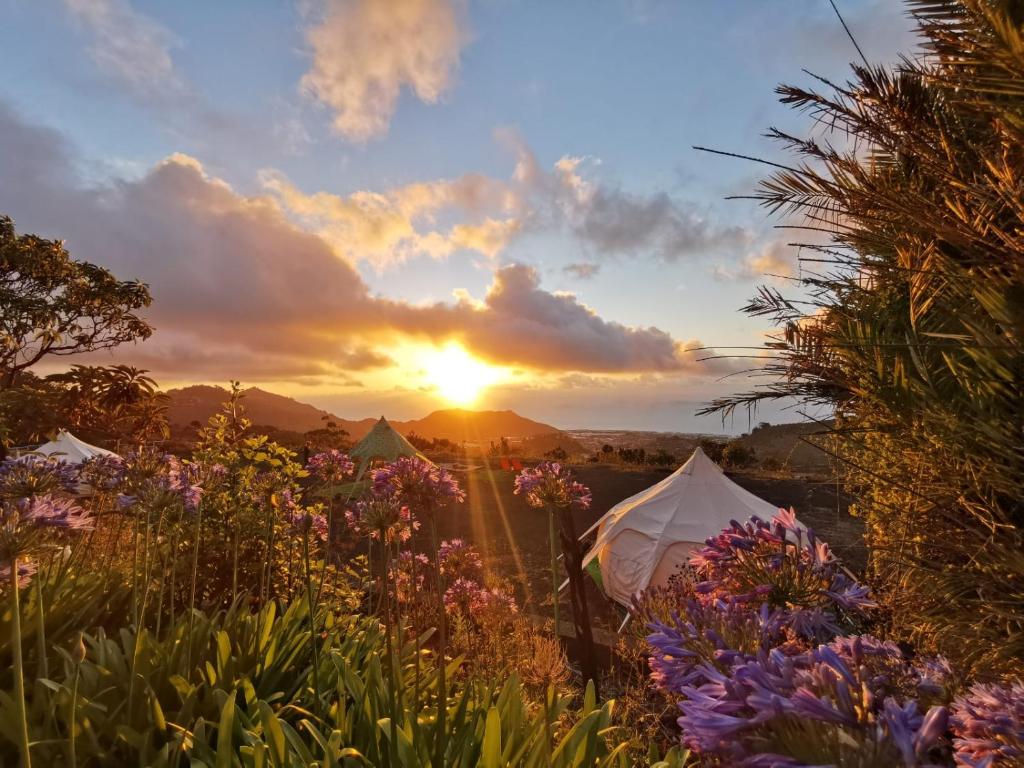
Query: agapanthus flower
x=382, y=518
x=408, y=573
x=24, y=521
x=459, y=559
x=704, y=636
x=331, y=466
x=102, y=473
x=26, y=570
x=463, y=596
x=549, y=484
x=36, y=475
x=988, y=726
x=418, y=484
x=785, y=566
x=309, y=523
x=823, y=707
x=158, y=480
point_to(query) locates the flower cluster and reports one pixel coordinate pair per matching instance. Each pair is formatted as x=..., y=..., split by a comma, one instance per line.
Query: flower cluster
x=551, y=485
x=156, y=480
x=474, y=601
x=418, y=484
x=781, y=564
x=408, y=574
x=102, y=473
x=35, y=498
x=459, y=560
x=36, y=475
x=309, y=523
x=23, y=522
x=751, y=641
x=331, y=466
x=988, y=726
x=382, y=518
x=833, y=705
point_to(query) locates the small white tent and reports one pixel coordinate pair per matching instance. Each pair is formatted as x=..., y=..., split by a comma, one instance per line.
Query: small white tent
x=643, y=540
x=68, y=448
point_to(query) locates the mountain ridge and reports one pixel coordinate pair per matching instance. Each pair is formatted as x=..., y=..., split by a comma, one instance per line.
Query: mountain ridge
x=200, y=401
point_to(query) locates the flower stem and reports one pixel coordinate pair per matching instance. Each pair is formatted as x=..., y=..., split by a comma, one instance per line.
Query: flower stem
x=312, y=626
x=19, y=674
x=442, y=634
x=553, y=540
x=73, y=725
x=192, y=592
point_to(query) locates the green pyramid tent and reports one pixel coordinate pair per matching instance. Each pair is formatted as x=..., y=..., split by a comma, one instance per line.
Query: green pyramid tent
x=382, y=443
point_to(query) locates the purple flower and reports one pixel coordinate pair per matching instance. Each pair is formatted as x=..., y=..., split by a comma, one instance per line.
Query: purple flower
x=383, y=518
x=330, y=466
x=156, y=480
x=459, y=559
x=26, y=570
x=23, y=522
x=418, y=484
x=36, y=475
x=102, y=473
x=988, y=725
x=779, y=563
x=550, y=485
x=702, y=638
x=306, y=523
x=827, y=706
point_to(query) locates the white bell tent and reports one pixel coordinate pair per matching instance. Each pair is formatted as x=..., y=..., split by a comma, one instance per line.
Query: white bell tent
x=643, y=540
x=68, y=448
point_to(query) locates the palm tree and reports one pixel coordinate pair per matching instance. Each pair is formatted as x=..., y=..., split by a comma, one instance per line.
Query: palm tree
x=911, y=320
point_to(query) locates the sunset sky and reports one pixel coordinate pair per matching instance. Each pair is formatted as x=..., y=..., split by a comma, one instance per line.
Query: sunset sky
x=389, y=206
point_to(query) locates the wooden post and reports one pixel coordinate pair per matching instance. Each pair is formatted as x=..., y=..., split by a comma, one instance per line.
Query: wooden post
x=577, y=595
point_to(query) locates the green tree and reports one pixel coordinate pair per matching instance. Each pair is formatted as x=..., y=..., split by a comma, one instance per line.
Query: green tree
x=112, y=404
x=914, y=327
x=51, y=304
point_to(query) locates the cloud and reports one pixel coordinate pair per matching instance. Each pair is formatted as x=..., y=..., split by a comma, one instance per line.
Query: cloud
x=776, y=260
x=365, y=51
x=583, y=270
x=486, y=215
x=613, y=221
x=389, y=228
x=128, y=46
x=239, y=285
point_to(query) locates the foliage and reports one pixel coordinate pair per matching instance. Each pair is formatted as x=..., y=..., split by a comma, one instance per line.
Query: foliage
x=51, y=304
x=913, y=322
x=111, y=404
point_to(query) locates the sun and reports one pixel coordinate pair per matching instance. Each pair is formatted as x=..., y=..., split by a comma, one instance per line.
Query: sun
x=457, y=376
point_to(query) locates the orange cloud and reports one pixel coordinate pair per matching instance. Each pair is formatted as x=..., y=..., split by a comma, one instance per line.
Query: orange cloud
x=365, y=51
x=235, y=279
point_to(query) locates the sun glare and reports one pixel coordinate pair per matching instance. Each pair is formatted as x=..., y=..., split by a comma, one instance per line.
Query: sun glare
x=457, y=376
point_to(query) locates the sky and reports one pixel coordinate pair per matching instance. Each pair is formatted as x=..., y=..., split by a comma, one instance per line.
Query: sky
x=391, y=206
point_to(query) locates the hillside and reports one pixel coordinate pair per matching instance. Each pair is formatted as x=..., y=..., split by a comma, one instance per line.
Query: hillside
x=474, y=426
x=787, y=444
x=198, y=403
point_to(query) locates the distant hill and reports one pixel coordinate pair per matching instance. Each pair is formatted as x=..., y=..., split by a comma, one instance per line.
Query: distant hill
x=787, y=444
x=474, y=426
x=198, y=403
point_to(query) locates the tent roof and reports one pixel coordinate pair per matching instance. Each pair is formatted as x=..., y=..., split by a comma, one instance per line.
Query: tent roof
x=382, y=442
x=68, y=448
x=694, y=502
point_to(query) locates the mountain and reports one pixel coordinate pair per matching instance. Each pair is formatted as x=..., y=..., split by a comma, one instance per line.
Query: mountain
x=474, y=426
x=198, y=403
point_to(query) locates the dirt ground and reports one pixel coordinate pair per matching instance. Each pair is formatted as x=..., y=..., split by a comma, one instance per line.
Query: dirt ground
x=513, y=538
